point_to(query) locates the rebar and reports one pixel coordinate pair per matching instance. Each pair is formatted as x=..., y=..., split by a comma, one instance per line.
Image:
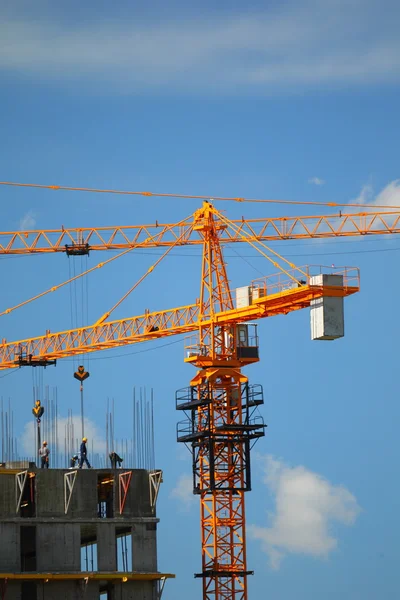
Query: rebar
x=137, y=449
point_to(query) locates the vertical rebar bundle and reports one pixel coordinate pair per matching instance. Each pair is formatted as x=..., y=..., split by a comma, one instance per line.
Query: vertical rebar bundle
x=62, y=433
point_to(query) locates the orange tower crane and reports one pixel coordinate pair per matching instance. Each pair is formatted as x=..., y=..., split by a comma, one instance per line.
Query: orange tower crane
x=220, y=405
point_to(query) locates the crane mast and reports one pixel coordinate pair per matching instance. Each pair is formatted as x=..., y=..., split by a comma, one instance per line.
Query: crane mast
x=218, y=427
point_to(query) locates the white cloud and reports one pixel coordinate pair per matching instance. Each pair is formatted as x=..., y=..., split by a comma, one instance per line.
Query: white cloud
x=316, y=181
x=28, y=221
x=183, y=492
x=389, y=196
x=306, y=505
x=296, y=43
x=92, y=432
x=365, y=196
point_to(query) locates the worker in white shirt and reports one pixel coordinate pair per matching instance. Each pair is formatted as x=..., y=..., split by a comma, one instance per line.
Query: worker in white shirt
x=44, y=456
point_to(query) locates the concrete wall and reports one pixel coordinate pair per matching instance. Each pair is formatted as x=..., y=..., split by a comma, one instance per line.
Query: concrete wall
x=135, y=590
x=13, y=590
x=84, y=496
x=144, y=547
x=138, y=498
x=7, y=495
x=67, y=590
x=50, y=494
x=58, y=547
x=49, y=490
x=106, y=547
x=10, y=560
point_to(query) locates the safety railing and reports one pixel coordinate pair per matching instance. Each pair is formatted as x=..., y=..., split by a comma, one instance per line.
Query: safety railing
x=191, y=396
x=255, y=394
x=193, y=348
x=189, y=429
x=302, y=276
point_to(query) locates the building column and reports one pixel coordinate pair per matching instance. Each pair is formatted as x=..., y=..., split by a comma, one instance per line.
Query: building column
x=144, y=547
x=106, y=547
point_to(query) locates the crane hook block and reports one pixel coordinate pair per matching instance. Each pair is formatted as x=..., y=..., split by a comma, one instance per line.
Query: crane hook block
x=37, y=410
x=81, y=374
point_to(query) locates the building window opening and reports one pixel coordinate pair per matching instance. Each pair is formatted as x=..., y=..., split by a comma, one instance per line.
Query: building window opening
x=106, y=592
x=88, y=548
x=89, y=557
x=28, y=548
x=105, y=496
x=124, y=550
x=28, y=590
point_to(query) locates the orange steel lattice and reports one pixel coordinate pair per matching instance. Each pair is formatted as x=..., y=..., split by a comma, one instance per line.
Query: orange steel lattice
x=215, y=295
x=221, y=439
x=219, y=428
x=154, y=235
x=281, y=297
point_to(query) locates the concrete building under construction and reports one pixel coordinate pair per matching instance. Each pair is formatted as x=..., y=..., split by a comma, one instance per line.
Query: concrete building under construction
x=79, y=534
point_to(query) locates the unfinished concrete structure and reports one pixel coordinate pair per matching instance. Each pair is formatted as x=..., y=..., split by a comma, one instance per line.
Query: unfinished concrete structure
x=79, y=534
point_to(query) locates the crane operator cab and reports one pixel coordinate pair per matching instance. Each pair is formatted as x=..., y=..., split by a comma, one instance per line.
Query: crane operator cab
x=237, y=342
x=247, y=342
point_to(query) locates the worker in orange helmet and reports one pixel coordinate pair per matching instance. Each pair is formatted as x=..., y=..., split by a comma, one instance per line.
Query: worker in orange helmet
x=83, y=452
x=44, y=456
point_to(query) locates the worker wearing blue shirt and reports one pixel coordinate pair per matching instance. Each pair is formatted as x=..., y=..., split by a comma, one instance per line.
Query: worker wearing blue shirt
x=83, y=452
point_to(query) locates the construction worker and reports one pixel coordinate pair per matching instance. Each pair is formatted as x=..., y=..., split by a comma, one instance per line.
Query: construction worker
x=73, y=461
x=83, y=453
x=44, y=456
x=114, y=458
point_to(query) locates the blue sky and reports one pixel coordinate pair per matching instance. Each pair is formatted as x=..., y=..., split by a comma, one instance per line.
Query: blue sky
x=231, y=101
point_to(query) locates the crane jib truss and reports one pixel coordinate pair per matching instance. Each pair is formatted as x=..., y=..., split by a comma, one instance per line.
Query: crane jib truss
x=220, y=405
x=155, y=325
x=84, y=239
